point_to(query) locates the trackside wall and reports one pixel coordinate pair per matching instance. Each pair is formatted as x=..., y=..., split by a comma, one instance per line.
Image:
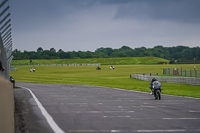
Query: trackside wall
x=6, y=106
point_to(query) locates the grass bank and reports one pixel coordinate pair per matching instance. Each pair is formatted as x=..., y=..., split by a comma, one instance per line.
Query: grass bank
x=117, y=78
x=103, y=61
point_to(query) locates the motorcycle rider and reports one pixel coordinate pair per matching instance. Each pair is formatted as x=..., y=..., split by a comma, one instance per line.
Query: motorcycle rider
x=151, y=84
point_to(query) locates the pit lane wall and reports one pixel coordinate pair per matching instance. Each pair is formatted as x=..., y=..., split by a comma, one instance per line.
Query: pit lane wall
x=6, y=106
x=182, y=80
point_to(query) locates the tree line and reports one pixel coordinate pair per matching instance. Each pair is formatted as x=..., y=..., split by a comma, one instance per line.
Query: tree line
x=179, y=54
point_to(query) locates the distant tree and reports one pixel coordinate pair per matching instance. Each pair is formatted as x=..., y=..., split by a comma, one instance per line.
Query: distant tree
x=26, y=55
x=40, y=50
x=187, y=54
x=140, y=52
x=160, y=51
x=52, y=53
x=124, y=51
x=89, y=54
x=106, y=52
x=18, y=55
x=49, y=54
x=53, y=50
x=73, y=55
x=181, y=53
x=33, y=55
x=63, y=55
x=196, y=52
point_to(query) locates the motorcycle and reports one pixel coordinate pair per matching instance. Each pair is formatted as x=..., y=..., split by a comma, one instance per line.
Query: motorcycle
x=156, y=89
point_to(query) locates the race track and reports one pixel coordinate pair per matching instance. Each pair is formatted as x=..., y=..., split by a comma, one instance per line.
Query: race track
x=91, y=109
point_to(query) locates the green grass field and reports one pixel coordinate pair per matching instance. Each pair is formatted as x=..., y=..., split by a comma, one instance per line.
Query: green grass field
x=117, y=78
x=103, y=61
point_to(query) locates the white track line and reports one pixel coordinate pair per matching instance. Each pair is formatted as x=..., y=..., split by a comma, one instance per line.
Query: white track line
x=49, y=119
x=149, y=93
x=131, y=131
x=153, y=131
x=181, y=118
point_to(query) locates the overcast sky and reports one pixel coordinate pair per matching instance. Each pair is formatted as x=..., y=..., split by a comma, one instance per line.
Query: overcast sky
x=91, y=24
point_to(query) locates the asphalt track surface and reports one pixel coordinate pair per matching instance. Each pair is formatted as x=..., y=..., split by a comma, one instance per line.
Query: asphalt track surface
x=91, y=109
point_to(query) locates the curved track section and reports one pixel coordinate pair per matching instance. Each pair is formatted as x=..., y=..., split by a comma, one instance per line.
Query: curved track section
x=91, y=109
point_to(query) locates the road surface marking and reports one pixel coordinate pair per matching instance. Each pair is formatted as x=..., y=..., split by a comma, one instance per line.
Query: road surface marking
x=93, y=131
x=49, y=119
x=93, y=112
x=148, y=106
x=153, y=131
x=116, y=116
x=194, y=111
x=132, y=131
x=181, y=118
x=148, y=93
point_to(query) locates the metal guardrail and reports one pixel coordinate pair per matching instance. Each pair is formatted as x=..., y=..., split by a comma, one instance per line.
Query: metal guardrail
x=182, y=80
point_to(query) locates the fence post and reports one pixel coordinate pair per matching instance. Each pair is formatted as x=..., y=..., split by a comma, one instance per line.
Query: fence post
x=195, y=73
x=177, y=72
x=190, y=73
x=181, y=71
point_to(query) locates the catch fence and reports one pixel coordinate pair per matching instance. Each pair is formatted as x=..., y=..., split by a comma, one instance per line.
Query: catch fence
x=181, y=72
x=5, y=38
x=182, y=80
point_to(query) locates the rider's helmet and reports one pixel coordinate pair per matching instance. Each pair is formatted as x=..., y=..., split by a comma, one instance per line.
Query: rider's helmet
x=154, y=79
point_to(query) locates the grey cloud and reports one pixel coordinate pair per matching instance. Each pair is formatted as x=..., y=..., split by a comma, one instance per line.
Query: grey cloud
x=90, y=24
x=186, y=11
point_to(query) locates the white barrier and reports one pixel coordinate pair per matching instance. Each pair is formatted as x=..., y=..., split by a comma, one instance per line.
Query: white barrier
x=84, y=64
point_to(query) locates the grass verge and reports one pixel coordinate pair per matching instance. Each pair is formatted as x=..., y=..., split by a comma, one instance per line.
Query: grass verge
x=103, y=61
x=117, y=78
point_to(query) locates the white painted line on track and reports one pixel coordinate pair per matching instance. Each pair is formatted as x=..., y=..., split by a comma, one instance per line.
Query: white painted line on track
x=194, y=111
x=116, y=116
x=115, y=131
x=132, y=131
x=161, y=94
x=148, y=106
x=181, y=118
x=153, y=131
x=49, y=119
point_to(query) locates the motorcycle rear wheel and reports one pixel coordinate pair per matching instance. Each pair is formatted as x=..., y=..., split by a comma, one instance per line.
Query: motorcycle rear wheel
x=157, y=95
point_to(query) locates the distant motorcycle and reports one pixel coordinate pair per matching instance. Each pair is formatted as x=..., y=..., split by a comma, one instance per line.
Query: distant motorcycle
x=98, y=68
x=32, y=70
x=156, y=89
x=112, y=67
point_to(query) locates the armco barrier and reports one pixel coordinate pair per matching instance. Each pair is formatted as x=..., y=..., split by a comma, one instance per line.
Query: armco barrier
x=182, y=80
x=6, y=106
